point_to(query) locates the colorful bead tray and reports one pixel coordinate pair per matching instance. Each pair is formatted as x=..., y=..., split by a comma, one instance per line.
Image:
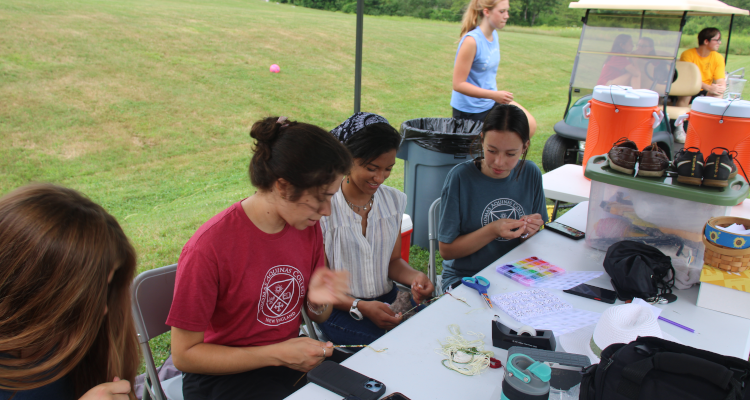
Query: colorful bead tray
x=530, y=271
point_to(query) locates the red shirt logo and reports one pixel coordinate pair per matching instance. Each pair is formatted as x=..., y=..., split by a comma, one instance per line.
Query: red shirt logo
x=281, y=295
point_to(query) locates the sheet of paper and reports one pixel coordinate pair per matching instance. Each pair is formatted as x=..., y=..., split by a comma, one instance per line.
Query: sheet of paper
x=568, y=280
x=542, y=310
x=735, y=228
x=529, y=303
x=564, y=321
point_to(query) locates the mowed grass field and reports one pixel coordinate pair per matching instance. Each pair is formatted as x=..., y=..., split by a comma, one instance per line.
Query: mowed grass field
x=146, y=105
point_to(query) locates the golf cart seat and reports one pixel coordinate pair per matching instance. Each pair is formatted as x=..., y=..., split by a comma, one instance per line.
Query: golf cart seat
x=688, y=83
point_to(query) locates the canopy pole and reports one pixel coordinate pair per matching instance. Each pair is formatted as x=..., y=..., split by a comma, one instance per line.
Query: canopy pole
x=729, y=36
x=358, y=57
x=643, y=16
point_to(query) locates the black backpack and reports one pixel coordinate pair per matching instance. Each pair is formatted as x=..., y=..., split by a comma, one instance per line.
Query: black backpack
x=638, y=270
x=653, y=368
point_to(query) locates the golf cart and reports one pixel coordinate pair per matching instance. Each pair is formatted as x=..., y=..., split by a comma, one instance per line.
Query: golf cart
x=654, y=29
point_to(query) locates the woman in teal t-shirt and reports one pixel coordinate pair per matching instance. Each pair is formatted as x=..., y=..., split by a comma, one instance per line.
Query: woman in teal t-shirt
x=491, y=204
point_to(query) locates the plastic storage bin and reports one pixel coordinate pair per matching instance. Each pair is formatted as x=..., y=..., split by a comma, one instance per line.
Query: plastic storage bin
x=669, y=216
x=431, y=147
x=719, y=123
x=620, y=111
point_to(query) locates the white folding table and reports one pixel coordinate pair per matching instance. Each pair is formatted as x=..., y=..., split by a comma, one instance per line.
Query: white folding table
x=412, y=366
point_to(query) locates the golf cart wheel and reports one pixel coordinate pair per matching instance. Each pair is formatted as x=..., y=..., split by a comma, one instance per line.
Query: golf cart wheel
x=559, y=151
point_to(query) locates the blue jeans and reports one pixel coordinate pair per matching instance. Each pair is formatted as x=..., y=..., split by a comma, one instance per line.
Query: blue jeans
x=341, y=328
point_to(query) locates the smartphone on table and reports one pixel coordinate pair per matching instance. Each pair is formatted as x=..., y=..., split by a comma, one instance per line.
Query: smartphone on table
x=594, y=293
x=345, y=382
x=565, y=230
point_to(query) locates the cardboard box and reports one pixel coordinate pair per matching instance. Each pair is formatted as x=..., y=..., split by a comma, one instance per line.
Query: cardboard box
x=725, y=291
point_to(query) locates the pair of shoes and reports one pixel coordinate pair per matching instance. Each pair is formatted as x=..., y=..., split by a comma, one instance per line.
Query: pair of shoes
x=717, y=170
x=624, y=156
x=679, y=134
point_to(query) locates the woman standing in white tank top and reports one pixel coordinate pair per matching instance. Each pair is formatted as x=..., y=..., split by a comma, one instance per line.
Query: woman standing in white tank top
x=475, y=89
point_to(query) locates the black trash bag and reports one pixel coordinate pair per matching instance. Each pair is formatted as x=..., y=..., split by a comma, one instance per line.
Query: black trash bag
x=442, y=135
x=638, y=270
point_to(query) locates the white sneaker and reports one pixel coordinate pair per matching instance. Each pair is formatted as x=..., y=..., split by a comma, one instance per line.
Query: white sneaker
x=679, y=134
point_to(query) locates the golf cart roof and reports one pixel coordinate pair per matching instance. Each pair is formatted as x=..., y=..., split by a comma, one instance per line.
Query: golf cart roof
x=693, y=7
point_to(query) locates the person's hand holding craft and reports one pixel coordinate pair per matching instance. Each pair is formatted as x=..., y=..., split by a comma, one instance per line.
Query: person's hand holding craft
x=533, y=223
x=503, y=97
x=328, y=287
x=509, y=228
x=302, y=353
x=421, y=288
x=116, y=390
x=380, y=314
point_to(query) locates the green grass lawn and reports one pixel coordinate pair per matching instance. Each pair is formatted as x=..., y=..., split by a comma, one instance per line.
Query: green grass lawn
x=145, y=105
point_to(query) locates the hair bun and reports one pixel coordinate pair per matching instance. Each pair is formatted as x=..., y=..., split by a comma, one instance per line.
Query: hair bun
x=265, y=131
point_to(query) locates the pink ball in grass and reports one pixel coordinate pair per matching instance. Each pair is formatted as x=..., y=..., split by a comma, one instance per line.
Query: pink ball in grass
x=275, y=69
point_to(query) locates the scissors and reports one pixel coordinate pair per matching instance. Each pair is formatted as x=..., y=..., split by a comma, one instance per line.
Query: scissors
x=480, y=284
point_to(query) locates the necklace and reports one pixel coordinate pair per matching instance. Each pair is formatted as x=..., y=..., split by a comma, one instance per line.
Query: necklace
x=359, y=208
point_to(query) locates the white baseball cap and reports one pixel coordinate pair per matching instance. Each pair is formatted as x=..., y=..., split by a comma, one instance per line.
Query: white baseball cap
x=618, y=324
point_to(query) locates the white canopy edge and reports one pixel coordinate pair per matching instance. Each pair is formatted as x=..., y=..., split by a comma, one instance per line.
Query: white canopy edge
x=693, y=7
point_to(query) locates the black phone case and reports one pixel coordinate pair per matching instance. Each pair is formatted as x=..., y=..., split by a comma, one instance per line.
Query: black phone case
x=343, y=381
x=564, y=233
x=592, y=297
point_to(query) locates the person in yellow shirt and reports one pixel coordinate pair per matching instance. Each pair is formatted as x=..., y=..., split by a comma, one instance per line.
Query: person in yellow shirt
x=711, y=65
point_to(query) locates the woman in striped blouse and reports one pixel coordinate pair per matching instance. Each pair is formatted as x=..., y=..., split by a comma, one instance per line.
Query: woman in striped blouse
x=363, y=235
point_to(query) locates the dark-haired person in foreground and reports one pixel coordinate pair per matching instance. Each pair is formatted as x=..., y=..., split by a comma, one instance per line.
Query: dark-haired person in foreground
x=492, y=203
x=66, y=327
x=244, y=276
x=363, y=235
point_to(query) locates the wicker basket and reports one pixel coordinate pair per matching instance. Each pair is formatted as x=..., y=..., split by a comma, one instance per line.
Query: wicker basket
x=722, y=257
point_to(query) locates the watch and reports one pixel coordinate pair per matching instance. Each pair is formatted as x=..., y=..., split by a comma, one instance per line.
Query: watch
x=354, y=311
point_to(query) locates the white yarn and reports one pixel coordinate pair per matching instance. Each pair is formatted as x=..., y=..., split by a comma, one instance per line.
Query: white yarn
x=466, y=357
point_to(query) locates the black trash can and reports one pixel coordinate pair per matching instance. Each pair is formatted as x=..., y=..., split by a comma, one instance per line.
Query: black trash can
x=431, y=147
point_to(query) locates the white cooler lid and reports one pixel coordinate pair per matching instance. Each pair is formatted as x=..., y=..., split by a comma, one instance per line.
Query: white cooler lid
x=626, y=96
x=406, y=224
x=712, y=105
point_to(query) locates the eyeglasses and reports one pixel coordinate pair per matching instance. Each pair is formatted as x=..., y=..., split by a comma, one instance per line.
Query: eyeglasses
x=716, y=40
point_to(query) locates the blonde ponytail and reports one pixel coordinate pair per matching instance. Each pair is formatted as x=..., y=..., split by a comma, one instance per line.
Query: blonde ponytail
x=473, y=14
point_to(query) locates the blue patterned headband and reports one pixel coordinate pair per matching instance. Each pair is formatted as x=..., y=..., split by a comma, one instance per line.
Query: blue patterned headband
x=356, y=123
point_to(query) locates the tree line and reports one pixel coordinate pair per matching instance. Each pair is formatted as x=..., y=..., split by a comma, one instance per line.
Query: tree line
x=522, y=12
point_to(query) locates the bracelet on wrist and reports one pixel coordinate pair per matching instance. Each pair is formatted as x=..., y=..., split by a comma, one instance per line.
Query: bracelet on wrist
x=317, y=310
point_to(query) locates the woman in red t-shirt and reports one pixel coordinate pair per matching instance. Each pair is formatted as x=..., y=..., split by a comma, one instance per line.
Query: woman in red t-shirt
x=619, y=70
x=244, y=276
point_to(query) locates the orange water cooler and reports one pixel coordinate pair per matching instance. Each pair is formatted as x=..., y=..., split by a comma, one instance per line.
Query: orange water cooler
x=620, y=111
x=719, y=123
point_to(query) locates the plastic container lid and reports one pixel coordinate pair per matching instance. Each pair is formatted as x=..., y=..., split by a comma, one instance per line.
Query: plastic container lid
x=598, y=170
x=406, y=224
x=626, y=96
x=712, y=105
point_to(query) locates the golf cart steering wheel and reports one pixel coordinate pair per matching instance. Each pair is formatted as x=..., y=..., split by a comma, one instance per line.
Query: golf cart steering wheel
x=660, y=74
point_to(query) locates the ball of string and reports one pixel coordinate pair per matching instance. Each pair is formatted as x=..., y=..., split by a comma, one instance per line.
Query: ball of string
x=466, y=357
